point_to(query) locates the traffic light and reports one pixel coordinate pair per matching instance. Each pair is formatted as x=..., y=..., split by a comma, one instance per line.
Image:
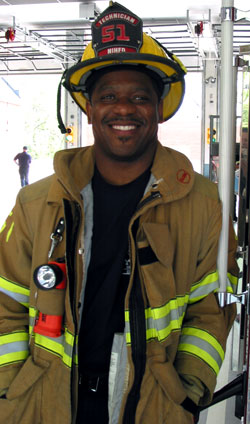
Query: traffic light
x=208, y=135
x=69, y=136
x=213, y=136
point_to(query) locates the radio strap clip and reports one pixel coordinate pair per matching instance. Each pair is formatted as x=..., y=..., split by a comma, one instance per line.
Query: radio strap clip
x=56, y=237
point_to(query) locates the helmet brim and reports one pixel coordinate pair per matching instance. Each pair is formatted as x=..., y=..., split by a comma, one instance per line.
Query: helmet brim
x=76, y=76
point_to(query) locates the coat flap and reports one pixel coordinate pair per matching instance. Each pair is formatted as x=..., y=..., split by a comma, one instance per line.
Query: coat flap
x=26, y=378
x=160, y=240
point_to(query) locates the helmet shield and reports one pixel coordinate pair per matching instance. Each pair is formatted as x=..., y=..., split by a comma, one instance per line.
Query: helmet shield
x=117, y=41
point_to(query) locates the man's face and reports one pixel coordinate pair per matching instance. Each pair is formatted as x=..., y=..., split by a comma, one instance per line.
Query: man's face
x=124, y=112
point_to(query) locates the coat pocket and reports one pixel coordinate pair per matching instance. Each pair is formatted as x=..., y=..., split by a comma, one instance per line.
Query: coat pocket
x=28, y=375
x=156, y=254
x=158, y=404
x=22, y=403
x=7, y=408
x=165, y=306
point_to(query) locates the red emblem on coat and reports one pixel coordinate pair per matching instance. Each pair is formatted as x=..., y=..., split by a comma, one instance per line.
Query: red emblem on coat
x=183, y=176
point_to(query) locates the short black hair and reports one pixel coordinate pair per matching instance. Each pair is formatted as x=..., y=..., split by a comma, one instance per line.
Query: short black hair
x=96, y=74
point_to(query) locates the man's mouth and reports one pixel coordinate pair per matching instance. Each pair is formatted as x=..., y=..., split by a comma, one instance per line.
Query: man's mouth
x=124, y=127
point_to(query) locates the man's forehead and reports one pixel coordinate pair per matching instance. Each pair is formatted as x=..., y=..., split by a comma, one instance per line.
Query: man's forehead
x=136, y=78
x=128, y=76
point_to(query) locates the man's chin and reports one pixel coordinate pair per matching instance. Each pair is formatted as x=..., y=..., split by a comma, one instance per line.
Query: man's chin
x=129, y=158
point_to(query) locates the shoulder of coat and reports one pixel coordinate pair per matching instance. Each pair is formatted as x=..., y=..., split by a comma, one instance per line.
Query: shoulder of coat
x=36, y=190
x=206, y=187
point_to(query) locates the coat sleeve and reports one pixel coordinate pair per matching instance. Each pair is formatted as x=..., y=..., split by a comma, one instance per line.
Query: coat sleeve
x=15, y=260
x=206, y=325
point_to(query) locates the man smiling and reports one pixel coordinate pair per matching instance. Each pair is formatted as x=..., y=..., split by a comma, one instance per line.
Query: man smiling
x=124, y=111
x=108, y=277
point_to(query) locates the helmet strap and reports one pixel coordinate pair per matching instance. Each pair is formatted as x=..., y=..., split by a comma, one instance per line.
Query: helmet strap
x=61, y=125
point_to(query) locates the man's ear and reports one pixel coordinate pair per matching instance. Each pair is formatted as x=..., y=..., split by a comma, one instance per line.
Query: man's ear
x=89, y=112
x=160, y=111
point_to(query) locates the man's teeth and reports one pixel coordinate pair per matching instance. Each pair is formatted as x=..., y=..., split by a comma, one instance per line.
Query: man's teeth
x=124, y=127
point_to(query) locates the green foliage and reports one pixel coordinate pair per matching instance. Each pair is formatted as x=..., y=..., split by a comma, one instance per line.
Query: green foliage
x=42, y=135
x=245, y=102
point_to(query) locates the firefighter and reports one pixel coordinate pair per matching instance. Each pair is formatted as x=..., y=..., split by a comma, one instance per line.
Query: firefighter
x=118, y=251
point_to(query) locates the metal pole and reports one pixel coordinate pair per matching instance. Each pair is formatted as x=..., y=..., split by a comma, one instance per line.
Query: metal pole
x=233, y=152
x=226, y=137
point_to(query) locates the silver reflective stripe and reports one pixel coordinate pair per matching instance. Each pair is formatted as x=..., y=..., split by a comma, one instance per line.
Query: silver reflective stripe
x=203, y=291
x=202, y=344
x=20, y=298
x=88, y=204
x=207, y=285
x=160, y=322
x=15, y=291
x=33, y=313
x=13, y=347
x=68, y=348
x=61, y=346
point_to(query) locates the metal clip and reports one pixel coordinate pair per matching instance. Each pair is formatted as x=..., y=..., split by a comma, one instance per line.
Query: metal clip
x=95, y=387
x=229, y=298
x=228, y=14
x=56, y=237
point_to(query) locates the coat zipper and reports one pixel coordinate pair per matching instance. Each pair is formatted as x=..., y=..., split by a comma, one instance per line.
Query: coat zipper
x=73, y=219
x=137, y=330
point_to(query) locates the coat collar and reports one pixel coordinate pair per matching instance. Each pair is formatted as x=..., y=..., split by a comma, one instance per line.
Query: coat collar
x=74, y=169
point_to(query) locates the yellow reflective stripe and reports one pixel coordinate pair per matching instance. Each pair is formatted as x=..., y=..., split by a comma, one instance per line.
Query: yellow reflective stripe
x=69, y=338
x=5, y=223
x=204, y=335
x=13, y=347
x=13, y=337
x=203, y=345
x=75, y=354
x=32, y=318
x=32, y=311
x=15, y=291
x=3, y=227
x=232, y=283
x=15, y=287
x=161, y=321
x=14, y=357
x=204, y=287
x=9, y=232
x=162, y=311
x=61, y=346
x=196, y=351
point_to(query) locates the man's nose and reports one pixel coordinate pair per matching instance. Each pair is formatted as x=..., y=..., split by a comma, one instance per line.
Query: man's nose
x=124, y=106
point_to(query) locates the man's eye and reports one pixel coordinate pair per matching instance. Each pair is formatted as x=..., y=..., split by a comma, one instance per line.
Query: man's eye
x=107, y=97
x=140, y=98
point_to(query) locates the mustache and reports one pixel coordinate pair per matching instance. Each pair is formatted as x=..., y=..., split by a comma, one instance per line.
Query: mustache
x=123, y=119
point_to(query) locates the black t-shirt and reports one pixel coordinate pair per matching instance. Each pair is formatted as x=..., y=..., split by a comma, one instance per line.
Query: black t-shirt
x=109, y=271
x=24, y=160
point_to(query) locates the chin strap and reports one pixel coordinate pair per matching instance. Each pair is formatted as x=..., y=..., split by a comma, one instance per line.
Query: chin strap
x=61, y=125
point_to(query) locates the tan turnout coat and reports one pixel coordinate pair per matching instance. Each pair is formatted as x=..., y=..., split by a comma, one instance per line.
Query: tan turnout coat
x=175, y=249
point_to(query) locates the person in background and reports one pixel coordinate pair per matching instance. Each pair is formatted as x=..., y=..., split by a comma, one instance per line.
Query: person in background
x=23, y=160
x=108, y=268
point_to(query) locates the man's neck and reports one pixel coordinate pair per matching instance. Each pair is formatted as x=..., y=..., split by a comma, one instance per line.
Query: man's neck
x=120, y=173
